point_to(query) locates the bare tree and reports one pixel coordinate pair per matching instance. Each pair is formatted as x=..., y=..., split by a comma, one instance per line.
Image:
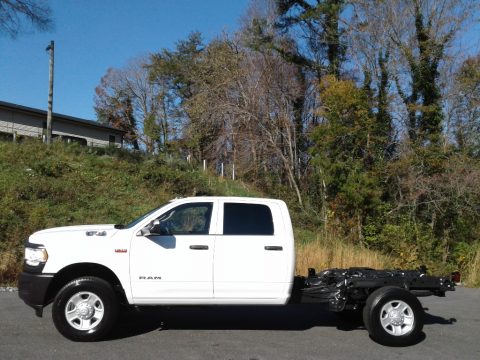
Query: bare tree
x=150, y=121
x=419, y=36
x=276, y=91
x=15, y=15
x=244, y=110
x=114, y=106
x=465, y=106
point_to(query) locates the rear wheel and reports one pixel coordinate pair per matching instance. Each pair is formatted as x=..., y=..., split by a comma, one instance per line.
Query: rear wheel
x=393, y=316
x=85, y=309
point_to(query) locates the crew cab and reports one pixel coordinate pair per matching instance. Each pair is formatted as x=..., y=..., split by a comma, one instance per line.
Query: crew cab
x=206, y=251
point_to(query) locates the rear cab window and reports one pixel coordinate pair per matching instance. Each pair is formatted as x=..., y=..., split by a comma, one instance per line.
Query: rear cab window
x=247, y=219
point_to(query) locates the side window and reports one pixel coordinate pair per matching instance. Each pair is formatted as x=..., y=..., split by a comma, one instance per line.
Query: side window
x=188, y=219
x=247, y=219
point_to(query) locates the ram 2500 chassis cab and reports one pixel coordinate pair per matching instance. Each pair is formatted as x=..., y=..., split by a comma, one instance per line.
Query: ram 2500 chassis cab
x=206, y=251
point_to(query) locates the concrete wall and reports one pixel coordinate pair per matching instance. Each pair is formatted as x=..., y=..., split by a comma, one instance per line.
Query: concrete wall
x=28, y=124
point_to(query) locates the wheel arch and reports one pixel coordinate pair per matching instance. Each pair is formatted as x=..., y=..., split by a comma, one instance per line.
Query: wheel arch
x=77, y=270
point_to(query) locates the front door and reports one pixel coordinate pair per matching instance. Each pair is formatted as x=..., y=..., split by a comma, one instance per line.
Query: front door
x=176, y=260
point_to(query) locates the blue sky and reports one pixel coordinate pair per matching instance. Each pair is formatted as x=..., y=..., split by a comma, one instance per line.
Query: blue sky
x=92, y=35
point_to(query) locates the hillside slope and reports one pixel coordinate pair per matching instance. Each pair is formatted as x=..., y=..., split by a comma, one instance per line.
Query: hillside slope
x=43, y=187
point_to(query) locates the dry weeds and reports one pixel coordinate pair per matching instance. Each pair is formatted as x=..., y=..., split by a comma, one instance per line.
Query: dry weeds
x=329, y=253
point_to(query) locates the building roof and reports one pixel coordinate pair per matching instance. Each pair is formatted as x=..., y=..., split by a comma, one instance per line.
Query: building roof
x=56, y=116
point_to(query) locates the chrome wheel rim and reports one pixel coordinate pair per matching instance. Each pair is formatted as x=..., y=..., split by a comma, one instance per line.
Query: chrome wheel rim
x=84, y=311
x=397, y=318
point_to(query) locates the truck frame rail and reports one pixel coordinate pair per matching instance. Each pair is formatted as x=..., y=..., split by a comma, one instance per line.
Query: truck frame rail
x=348, y=289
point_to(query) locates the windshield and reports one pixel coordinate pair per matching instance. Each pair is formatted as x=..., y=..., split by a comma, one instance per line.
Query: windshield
x=141, y=218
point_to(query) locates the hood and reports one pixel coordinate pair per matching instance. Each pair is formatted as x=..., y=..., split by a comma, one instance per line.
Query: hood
x=75, y=228
x=74, y=232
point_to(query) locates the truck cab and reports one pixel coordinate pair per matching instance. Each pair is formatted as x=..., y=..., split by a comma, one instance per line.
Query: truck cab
x=201, y=250
x=212, y=251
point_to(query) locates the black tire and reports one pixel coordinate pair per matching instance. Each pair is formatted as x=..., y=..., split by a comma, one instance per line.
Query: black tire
x=92, y=305
x=393, y=316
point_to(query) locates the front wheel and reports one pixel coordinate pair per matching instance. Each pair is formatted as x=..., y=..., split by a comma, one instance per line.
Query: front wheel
x=85, y=309
x=393, y=316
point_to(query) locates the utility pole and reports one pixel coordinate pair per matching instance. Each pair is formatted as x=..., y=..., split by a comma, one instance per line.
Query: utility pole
x=51, y=49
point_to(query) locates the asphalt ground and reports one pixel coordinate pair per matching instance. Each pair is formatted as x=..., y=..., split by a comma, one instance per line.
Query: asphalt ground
x=452, y=331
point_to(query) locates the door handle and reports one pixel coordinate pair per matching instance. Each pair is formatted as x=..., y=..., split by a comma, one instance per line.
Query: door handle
x=199, y=247
x=274, y=248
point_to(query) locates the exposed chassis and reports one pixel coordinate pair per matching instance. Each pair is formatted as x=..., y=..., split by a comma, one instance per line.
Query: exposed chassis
x=348, y=289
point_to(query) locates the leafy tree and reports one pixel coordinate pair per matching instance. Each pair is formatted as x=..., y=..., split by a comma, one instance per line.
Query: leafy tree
x=152, y=131
x=177, y=67
x=379, y=100
x=319, y=22
x=424, y=101
x=174, y=72
x=346, y=149
x=384, y=126
x=209, y=108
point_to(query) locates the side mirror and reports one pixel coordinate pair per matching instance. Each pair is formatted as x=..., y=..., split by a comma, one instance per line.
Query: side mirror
x=150, y=229
x=155, y=227
x=144, y=231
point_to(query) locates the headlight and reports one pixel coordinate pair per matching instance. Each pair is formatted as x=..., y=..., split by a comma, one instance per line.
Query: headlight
x=35, y=256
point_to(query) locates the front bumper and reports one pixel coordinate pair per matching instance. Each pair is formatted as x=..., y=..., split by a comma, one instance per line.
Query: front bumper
x=32, y=289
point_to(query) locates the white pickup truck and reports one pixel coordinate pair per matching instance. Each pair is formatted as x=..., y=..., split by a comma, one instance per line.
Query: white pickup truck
x=205, y=251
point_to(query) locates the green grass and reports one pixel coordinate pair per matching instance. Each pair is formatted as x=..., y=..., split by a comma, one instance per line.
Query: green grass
x=42, y=187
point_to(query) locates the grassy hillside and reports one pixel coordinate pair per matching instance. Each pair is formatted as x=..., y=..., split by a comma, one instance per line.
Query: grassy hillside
x=43, y=187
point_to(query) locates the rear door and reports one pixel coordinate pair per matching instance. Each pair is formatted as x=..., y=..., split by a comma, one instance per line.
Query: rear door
x=250, y=252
